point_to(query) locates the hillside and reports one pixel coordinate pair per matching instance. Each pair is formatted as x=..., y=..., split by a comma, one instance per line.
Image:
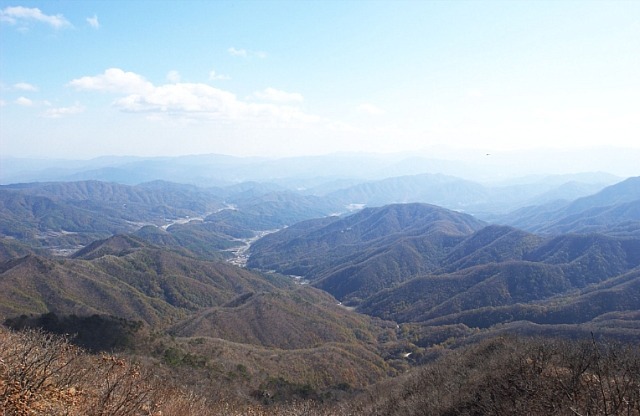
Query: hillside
x=276, y=209
x=218, y=378
x=355, y=256
x=39, y=220
x=517, y=376
x=516, y=276
x=63, y=216
x=124, y=277
x=446, y=191
x=292, y=319
x=485, y=200
x=487, y=286
x=11, y=248
x=256, y=332
x=415, y=263
x=499, y=375
x=492, y=244
x=145, y=202
x=614, y=210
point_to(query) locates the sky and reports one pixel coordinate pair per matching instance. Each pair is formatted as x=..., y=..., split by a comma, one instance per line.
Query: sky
x=81, y=79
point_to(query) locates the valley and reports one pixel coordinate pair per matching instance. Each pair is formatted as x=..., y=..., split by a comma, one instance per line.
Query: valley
x=180, y=221
x=241, y=253
x=265, y=289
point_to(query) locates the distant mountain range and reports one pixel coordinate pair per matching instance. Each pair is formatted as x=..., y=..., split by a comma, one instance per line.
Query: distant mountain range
x=67, y=215
x=316, y=171
x=614, y=210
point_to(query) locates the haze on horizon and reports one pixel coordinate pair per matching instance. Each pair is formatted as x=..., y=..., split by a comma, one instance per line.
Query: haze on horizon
x=84, y=79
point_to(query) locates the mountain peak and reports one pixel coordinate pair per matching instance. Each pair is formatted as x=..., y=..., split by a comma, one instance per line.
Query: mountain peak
x=118, y=245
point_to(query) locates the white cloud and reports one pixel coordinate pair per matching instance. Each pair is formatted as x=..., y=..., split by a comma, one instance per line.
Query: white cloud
x=3, y=103
x=278, y=96
x=238, y=52
x=93, y=22
x=25, y=102
x=181, y=98
x=371, y=109
x=192, y=100
x=213, y=76
x=114, y=80
x=246, y=53
x=19, y=14
x=173, y=76
x=24, y=86
x=63, y=111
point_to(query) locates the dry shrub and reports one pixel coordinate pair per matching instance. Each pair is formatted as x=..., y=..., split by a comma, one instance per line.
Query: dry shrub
x=38, y=373
x=43, y=374
x=520, y=377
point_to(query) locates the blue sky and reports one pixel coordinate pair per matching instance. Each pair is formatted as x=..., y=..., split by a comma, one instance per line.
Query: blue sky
x=80, y=79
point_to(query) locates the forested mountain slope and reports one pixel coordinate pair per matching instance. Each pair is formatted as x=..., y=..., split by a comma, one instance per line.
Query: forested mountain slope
x=124, y=277
x=289, y=319
x=357, y=255
x=426, y=267
x=615, y=210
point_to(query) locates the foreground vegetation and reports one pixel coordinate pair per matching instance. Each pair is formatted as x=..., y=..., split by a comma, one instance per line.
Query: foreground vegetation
x=44, y=374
